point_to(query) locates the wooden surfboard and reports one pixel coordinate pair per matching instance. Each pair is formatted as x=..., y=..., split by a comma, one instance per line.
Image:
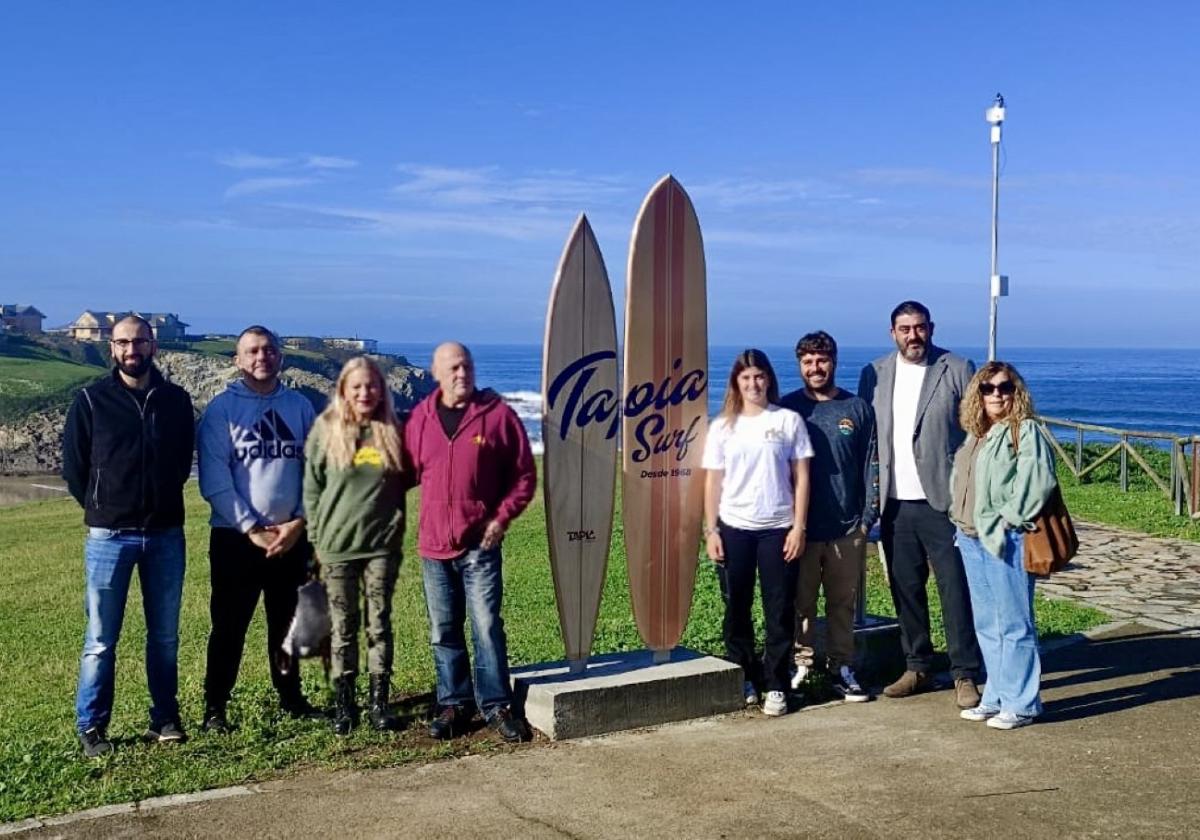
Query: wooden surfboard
x=580, y=416
x=664, y=413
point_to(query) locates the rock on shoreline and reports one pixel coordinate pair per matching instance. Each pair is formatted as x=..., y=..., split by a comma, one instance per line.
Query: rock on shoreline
x=33, y=444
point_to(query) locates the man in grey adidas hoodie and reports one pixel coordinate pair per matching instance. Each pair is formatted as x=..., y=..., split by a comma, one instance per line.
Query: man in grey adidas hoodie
x=251, y=458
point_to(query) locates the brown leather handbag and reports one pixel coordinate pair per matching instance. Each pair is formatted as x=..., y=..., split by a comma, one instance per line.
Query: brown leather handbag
x=1053, y=541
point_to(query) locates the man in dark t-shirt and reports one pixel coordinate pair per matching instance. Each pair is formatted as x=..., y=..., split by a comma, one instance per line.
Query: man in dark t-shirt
x=844, y=482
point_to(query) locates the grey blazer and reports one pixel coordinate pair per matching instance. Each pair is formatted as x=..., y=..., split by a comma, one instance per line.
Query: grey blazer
x=936, y=435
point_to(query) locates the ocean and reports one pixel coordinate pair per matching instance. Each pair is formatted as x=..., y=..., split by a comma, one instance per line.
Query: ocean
x=1145, y=390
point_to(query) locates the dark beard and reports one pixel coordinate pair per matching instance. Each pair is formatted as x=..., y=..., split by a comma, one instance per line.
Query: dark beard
x=830, y=387
x=135, y=370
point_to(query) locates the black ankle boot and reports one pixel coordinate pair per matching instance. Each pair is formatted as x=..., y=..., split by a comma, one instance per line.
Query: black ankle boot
x=381, y=715
x=345, y=709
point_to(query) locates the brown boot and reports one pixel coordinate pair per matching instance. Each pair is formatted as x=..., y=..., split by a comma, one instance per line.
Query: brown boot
x=910, y=682
x=966, y=693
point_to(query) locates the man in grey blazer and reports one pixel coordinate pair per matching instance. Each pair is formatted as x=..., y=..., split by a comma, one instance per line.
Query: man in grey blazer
x=915, y=393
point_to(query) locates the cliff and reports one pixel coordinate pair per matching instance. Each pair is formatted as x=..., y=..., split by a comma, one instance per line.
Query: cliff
x=31, y=442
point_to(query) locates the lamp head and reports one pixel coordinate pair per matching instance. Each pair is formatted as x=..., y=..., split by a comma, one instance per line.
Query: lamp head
x=995, y=114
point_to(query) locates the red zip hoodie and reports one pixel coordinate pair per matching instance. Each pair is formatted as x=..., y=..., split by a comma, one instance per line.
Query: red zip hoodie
x=484, y=472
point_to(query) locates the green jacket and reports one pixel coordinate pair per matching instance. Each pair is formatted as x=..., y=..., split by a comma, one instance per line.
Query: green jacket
x=352, y=513
x=1010, y=488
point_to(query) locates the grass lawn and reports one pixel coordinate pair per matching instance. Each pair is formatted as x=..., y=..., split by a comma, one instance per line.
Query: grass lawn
x=227, y=347
x=41, y=626
x=33, y=382
x=1144, y=508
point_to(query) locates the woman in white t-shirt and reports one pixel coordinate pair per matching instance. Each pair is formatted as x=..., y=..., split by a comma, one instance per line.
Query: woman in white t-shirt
x=755, y=507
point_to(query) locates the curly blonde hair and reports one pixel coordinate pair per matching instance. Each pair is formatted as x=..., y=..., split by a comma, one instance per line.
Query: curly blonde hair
x=971, y=413
x=339, y=428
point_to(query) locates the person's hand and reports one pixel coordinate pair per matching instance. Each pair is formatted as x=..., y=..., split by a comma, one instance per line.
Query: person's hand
x=286, y=537
x=793, y=544
x=714, y=547
x=493, y=534
x=262, y=536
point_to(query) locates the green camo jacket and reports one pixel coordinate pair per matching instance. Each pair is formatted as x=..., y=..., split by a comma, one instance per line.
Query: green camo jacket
x=352, y=513
x=1010, y=488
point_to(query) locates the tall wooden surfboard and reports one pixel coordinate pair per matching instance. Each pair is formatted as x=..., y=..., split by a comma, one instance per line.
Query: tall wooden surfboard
x=664, y=417
x=580, y=416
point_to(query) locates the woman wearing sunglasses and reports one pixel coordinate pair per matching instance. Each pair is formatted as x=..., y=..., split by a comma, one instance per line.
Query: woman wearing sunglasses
x=755, y=511
x=997, y=489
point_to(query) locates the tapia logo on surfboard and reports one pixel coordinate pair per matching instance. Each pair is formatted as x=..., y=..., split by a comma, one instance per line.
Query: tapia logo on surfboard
x=582, y=409
x=651, y=435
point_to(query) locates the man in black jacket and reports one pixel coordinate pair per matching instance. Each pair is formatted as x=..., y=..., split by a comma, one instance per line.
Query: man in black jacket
x=127, y=451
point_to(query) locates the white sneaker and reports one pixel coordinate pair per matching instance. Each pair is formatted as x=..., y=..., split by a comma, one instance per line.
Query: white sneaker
x=750, y=693
x=1009, y=720
x=979, y=714
x=799, y=675
x=776, y=704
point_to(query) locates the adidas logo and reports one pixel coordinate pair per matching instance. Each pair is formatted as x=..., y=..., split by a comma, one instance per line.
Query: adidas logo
x=270, y=437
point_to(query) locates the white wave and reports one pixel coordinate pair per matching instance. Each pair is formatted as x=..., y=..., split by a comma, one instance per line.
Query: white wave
x=527, y=405
x=534, y=397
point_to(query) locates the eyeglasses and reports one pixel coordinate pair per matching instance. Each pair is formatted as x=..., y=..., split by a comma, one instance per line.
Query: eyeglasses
x=126, y=343
x=1005, y=388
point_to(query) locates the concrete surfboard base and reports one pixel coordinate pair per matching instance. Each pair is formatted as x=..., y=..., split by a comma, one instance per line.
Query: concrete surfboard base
x=626, y=691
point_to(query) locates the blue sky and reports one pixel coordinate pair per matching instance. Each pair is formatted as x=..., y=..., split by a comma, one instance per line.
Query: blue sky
x=412, y=175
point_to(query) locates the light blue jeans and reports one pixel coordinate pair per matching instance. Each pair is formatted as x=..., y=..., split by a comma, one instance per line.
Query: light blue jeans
x=1002, y=603
x=471, y=583
x=109, y=559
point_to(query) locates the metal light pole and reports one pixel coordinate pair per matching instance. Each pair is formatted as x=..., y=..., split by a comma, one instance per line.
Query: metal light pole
x=999, y=283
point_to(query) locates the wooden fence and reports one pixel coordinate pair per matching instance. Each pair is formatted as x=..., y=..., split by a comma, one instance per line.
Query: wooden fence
x=1181, y=485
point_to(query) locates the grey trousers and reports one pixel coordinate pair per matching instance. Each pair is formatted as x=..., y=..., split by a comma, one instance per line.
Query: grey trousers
x=378, y=582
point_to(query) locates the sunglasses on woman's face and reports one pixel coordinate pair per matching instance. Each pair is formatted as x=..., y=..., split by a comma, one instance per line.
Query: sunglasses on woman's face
x=1005, y=388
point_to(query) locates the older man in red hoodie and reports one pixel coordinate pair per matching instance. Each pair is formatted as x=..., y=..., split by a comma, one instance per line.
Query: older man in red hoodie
x=471, y=456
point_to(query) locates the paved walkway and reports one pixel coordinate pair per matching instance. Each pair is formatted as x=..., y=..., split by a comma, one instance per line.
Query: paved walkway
x=1151, y=579
x=1114, y=756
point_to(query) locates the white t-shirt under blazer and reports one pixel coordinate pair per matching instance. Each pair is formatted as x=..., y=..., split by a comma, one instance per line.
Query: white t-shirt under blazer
x=756, y=456
x=906, y=482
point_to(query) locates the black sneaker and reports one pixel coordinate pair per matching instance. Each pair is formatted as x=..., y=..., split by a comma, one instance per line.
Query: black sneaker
x=215, y=721
x=170, y=732
x=509, y=727
x=450, y=722
x=95, y=742
x=846, y=684
x=300, y=708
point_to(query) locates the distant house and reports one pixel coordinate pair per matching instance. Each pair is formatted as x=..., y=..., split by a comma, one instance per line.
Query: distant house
x=96, y=325
x=19, y=318
x=366, y=345
x=303, y=342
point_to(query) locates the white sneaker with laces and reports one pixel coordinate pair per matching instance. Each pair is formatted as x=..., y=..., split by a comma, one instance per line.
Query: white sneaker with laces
x=979, y=713
x=1009, y=720
x=776, y=704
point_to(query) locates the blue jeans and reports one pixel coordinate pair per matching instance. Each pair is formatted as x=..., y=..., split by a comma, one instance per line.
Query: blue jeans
x=452, y=587
x=109, y=558
x=1002, y=603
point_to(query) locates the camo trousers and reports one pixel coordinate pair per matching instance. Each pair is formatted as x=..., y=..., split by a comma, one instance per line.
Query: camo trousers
x=378, y=583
